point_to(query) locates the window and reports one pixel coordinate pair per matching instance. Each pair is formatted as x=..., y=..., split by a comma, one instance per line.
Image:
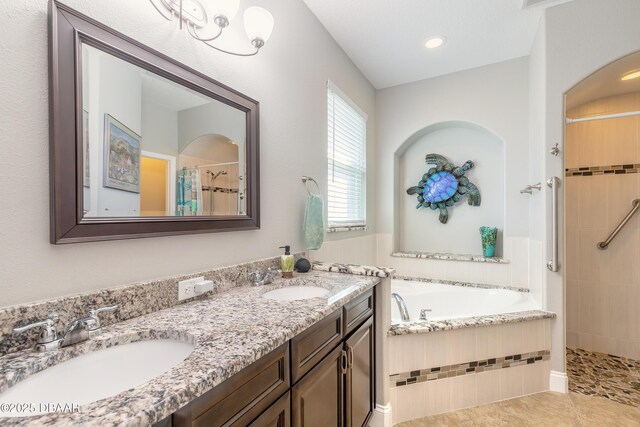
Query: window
x=347, y=140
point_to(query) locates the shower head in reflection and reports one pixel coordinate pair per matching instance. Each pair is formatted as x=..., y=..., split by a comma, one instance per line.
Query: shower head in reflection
x=215, y=175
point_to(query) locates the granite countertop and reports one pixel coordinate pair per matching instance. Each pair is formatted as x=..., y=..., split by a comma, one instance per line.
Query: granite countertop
x=230, y=331
x=423, y=326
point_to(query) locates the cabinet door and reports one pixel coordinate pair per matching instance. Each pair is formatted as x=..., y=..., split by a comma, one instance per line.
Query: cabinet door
x=278, y=414
x=360, y=378
x=318, y=398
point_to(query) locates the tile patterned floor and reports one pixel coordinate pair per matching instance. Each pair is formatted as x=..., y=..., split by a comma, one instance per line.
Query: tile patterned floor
x=539, y=410
x=604, y=375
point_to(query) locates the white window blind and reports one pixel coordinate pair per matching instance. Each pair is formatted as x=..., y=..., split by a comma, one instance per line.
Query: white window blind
x=347, y=137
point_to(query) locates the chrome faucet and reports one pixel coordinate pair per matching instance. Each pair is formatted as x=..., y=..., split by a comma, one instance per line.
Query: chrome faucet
x=260, y=279
x=402, y=307
x=77, y=330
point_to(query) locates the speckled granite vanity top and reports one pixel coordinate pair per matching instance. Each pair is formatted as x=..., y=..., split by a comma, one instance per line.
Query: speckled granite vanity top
x=423, y=326
x=230, y=330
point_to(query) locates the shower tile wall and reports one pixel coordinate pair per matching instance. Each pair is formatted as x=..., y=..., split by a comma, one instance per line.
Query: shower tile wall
x=603, y=285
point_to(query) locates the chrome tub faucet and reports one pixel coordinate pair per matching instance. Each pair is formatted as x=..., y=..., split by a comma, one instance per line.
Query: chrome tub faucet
x=77, y=331
x=402, y=307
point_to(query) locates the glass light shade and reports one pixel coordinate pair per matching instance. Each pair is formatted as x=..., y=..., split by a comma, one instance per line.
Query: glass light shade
x=258, y=23
x=227, y=8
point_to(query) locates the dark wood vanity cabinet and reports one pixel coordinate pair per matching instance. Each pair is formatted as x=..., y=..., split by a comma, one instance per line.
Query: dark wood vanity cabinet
x=242, y=398
x=323, y=377
x=339, y=390
x=360, y=374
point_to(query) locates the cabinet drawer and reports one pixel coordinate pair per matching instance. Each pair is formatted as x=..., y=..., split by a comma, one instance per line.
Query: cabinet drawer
x=242, y=397
x=309, y=347
x=357, y=311
x=278, y=414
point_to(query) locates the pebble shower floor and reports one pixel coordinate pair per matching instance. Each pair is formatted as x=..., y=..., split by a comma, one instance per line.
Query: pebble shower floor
x=604, y=375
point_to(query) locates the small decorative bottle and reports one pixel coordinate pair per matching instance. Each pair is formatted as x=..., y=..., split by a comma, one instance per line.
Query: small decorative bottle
x=489, y=236
x=286, y=262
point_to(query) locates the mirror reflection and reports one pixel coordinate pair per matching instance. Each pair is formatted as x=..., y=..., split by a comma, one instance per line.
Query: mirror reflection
x=152, y=147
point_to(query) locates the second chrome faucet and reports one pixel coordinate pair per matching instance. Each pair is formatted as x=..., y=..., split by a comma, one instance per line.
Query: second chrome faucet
x=77, y=331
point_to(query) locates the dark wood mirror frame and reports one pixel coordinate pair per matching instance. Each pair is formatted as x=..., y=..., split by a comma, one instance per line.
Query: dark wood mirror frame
x=68, y=29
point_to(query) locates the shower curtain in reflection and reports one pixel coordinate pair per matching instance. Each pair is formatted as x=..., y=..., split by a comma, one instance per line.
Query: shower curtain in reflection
x=189, y=193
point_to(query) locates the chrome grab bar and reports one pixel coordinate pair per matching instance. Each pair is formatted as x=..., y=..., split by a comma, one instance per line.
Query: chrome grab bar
x=553, y=183
x=635, y=203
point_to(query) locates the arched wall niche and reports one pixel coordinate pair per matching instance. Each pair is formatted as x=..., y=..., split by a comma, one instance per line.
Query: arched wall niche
x=418, y=230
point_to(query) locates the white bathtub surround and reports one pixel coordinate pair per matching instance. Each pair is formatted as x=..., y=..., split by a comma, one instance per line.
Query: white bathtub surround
x=454, y=283
x=419, y=352
x=514, y=274
x=351, y=250
x=449, y=257
x=446, y=302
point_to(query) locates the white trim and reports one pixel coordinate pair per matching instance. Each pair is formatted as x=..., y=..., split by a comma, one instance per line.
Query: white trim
x=559, y=382
x=381, y=416
x=171, y=178
x=331, y=85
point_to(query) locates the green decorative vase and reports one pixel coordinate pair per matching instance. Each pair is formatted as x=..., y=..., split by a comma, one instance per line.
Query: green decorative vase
x=489, y=236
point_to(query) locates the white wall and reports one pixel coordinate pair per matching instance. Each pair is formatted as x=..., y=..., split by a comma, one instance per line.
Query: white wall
x=494, y=97
x=581, y=37
x=288, y=78
x=120, y=96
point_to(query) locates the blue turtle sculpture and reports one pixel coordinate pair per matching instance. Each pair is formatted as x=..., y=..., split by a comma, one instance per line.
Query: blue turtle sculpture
x=444, y=185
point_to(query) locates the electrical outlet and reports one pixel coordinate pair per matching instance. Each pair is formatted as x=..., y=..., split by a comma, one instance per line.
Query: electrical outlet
x=186, y=288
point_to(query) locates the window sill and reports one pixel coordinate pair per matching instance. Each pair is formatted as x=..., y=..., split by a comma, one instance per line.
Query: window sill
x=343, y=228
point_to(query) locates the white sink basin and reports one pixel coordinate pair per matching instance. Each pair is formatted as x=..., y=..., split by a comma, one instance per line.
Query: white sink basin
x=94, y=376
x=292, y=293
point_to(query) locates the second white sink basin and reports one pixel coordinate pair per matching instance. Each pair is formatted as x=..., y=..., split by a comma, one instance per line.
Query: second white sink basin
x=293, y=293
x=95, y=375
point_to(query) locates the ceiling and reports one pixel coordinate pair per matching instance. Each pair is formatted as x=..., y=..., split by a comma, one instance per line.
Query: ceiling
x=606, y=82
x=385, y=38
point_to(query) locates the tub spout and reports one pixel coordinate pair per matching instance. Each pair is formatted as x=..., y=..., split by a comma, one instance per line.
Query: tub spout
x=402, y=307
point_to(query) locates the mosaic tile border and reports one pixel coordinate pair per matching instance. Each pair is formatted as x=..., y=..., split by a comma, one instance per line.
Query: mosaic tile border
x=441, y=256
x=463, y=284
x=475, y=367
x=602, y=170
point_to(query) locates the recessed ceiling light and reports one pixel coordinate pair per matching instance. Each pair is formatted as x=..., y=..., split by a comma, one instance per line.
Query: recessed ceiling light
x=631, y=75
x=434, y=42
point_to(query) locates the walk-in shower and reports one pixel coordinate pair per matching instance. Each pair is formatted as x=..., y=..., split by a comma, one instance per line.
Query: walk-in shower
x=602, y=228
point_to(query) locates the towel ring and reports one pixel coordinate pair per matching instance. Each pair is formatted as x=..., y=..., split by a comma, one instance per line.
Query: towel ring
x=306, y=180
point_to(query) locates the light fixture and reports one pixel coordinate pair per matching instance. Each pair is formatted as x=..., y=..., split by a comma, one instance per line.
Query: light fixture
x=258, y=22
x=434, y=42
x=634, y=74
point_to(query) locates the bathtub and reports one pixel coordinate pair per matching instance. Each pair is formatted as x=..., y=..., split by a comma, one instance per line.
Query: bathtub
x=478, y=345
x=455, y=302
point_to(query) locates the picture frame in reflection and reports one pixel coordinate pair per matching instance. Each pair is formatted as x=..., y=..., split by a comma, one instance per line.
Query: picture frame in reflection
x=122, y=151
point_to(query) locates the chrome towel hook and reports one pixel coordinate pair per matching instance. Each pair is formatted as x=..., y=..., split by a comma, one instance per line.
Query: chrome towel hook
x=306, y=180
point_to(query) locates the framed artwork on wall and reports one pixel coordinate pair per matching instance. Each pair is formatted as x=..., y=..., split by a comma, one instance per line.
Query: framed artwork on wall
x=121, y=156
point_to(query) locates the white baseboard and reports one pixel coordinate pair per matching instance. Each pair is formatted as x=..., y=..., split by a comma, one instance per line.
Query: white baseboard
x=381, y=416
x=559, y=382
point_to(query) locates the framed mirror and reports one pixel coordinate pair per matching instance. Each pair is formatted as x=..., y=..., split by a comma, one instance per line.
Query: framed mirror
x=142, y=145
